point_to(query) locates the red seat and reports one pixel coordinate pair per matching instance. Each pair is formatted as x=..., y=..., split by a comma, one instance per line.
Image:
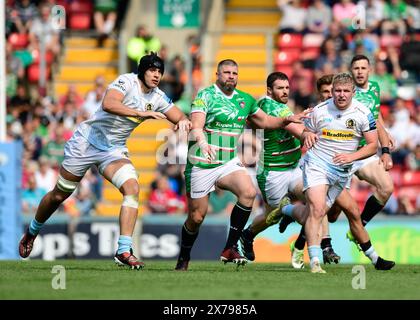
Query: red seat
x=49, y=56
x=18, y=40
x=289, y=40
x=385, y=111
x=310, y=53
x=288, y=70
x=80, y=21
x=396, y=175
x=80, y=6
x=312, y=40
x=411, y=192
x=33, y=73
x=411, y=178
x=287, y=57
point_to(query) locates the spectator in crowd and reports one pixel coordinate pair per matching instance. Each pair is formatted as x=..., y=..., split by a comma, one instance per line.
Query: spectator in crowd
x=293, y=16
x=413, y=159
x=23, y=14
x=345, y=13
x=163, y=199
x=45, y=175
x=373, y=12
x=221, y=202
x=93, y=100
x=139, y=45
x=14, y=64
x=31, y=142
x=173, y=81
x=335, y=33
x=386, y=82
x=368, y=41
x=71, y=96
x=319, y=17
x=31, y=196
x=413, y=16
x=302, y=98
x=43, y=28
x=395, y=14
x=391, y=59
x=410, y=55
x=330, y=55
x=54, y=150
x=104, y=17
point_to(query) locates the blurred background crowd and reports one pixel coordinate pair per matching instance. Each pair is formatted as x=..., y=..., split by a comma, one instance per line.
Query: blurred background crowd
x=314, y=38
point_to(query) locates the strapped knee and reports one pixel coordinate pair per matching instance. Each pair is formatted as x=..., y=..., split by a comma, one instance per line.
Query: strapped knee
x=131, y=201
x=66, y=185
x=126, y=172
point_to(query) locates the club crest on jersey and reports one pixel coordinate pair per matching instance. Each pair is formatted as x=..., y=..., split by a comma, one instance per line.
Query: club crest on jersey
x=350, y=124
x=149, y=107
x=242, y=104
x=240, y=118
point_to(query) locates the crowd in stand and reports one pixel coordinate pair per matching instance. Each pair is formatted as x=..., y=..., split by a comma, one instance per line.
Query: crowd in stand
x=43, y=123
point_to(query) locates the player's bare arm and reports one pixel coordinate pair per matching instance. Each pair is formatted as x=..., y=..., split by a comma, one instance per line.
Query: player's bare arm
x=177, y=117
x=366, y=151
x=384, y=139
x=264, y=121
x=198, y=119
x=113, y=104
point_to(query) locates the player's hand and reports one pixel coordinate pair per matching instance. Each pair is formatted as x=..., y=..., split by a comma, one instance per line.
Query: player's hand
x=343, y=158
x=309, y=139
x=207, y=150
x=392, y=144
x=298, y=118
x=386, y=161
x=150, y=115
x=183, y=125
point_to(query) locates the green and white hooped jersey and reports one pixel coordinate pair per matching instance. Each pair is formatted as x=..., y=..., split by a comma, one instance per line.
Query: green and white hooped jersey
x=280, y=150
x=370, y=98
x=225, y=120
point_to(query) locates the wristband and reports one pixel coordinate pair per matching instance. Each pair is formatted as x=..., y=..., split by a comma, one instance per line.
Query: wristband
x=385, y=150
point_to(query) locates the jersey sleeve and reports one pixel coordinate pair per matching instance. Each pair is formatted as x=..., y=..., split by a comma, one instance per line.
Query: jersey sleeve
x=121, y=84
x=369, y=123
x=310, y=123
x=165, y=104
x=199, y=104
x=254, y=107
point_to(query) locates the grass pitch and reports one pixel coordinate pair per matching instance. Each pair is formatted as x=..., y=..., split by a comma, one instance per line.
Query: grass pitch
x=102, y=279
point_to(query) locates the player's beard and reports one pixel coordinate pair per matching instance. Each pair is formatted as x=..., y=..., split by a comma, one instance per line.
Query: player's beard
x=228, y=86
x=284, y=99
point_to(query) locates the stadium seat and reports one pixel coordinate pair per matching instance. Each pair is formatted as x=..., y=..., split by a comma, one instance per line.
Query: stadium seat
x=385, y=111
x=312, y=40
x=289, y=40
x=287, y=57
x=411, y=178
x=81, y=6
x=18, y=40
x=49, y=56
x=396, y=175
x=411, y=192
x=33, y=73
x=288, y=70
x=79, y=21
x=310, y=53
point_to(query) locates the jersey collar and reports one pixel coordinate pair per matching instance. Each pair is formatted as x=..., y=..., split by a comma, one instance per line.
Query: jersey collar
x=220, y=91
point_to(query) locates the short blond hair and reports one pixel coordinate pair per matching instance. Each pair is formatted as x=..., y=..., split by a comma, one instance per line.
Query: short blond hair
x=343, y=78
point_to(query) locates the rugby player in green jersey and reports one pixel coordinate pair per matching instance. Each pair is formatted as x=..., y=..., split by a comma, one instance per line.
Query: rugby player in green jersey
x=219, y=114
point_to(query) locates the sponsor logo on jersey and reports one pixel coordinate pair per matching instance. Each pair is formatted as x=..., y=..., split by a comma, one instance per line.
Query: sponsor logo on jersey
x=199, y=103
x=120, y=84
x=350, y=124
x=337, y=134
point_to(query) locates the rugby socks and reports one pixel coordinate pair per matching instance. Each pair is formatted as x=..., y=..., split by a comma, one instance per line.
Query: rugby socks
x=34, y=227
x=369, y=251
x=238, y=219
x=301, y=240
x=315, y=254
x=372, y=207
x=187, y=241
x=288, y=210
x=124, y=244
x=326, y=242
x=248, y=234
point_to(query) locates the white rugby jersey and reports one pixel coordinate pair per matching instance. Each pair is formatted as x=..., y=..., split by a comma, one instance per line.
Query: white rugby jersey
x=105, y=130
x=339, y=131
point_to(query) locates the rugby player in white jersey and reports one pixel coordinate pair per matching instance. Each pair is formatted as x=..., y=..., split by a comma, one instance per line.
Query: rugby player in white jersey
x=340, y=124
x=101, y=141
